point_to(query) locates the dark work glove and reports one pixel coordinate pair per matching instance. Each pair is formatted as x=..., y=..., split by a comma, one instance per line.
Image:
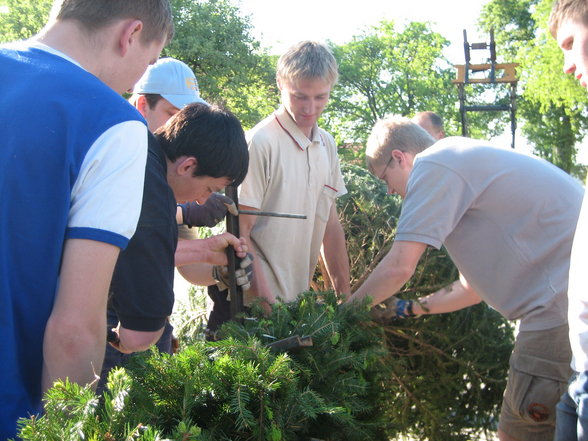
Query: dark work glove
x=244, y=274
x=208, y=214
x=393, y=308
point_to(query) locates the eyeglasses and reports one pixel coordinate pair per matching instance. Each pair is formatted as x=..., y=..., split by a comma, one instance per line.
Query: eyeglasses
x=386, y=168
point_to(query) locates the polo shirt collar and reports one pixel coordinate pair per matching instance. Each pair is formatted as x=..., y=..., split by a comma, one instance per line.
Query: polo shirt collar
x=289, y=126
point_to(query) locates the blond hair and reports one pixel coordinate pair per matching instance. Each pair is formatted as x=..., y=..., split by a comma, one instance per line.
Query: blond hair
x=395, y=133
x=307, y=60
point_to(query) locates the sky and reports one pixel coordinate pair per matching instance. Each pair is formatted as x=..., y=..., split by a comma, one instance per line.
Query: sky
x=278, y=24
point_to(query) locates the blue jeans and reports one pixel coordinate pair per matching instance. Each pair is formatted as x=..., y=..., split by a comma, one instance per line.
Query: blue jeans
x=572, y=411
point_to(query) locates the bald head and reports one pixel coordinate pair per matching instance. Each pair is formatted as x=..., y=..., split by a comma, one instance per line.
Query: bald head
x=431, y=122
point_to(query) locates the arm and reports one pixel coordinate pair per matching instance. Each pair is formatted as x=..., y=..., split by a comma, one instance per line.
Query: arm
x=211, y=250
x=206, y=215
x=334, y=251
x=135, y=341
x=454, y=297
x=75, y=336
x=392, y=272
x=197, y=274
x=259, y=287
x=195, y=258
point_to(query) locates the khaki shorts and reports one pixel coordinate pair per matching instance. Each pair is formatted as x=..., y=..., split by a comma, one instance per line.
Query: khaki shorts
x=538, y=376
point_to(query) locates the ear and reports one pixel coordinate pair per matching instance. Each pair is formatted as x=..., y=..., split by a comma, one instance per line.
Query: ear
x=404, y=159
x=279, y=83
x=186, y=165
x=142, y=105
x=130, y=33
x=398, y=155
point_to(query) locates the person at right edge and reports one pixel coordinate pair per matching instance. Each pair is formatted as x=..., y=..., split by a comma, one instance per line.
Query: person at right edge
x=568, y=24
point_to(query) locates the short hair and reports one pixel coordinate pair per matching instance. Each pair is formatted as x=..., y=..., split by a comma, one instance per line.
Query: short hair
x=563, y=10
x=151, y=98
x=395, y=133
x=308, y=60
x=212, y=135
x=435, y=119
x=156, y=15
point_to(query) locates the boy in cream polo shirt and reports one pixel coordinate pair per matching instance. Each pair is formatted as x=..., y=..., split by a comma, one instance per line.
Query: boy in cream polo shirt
x=294, y=168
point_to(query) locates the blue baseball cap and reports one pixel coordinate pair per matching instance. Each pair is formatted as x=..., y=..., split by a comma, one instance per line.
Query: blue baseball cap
x=173, y=80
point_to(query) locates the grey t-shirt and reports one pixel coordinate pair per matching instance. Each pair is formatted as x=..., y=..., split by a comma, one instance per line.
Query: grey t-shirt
x=507, y=220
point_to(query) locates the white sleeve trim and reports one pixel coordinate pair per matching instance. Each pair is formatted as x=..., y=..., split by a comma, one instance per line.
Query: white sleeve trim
x=108, y=191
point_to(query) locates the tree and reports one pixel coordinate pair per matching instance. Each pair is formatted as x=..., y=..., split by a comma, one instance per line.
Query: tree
x=215, y=40
x=385, y=71
x=552, y=104
x=23, y=18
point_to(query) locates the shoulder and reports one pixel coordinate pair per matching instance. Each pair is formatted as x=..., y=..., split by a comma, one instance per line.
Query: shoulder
x=264, y=130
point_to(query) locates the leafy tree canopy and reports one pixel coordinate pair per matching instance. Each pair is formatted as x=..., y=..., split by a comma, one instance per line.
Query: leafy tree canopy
x=552, y=104
x=389, y=71
x=215, y=40
x=22, y=19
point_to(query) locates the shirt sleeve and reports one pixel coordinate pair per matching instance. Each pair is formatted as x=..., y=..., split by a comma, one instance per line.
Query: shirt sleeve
x=142, y=285
x=436, y=199
x=252, y=189
x=106, y=196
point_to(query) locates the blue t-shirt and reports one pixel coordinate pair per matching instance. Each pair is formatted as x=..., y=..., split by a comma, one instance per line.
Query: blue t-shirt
x=53, y=113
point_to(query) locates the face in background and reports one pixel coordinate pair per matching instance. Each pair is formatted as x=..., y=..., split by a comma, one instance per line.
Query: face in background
x=572, y=38
x=305, y=101
x=425, y=122
x=157, y=115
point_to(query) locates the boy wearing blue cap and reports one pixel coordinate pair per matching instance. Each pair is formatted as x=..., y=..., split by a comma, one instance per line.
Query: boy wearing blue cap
x=165, y=88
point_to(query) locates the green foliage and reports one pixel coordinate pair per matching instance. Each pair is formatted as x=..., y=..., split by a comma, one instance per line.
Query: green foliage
x=432, y=378
x=343, y=369
x=236, y=389
x=73, y=413
x=449, y=372
x=23, y=19
x=215, y=40
x=386, y=71
x=552, y=104
x=368, y=216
